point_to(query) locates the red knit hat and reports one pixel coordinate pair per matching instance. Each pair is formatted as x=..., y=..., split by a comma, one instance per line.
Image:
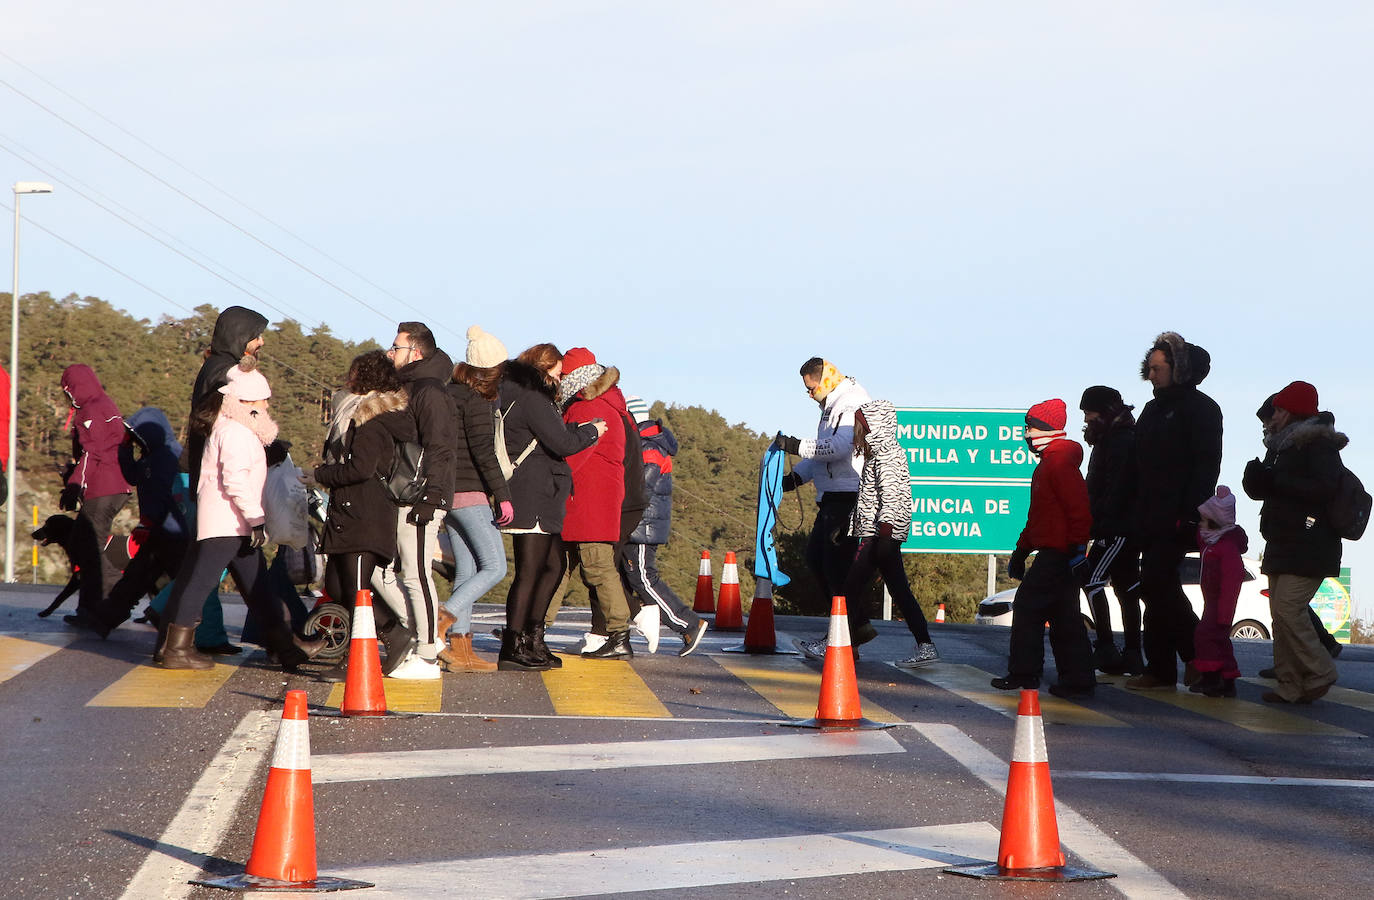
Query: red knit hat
x=1299, y=398
x=1049, y=415
x=578, y=357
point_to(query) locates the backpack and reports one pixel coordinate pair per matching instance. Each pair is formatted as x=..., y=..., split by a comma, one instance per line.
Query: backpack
x=508, y=465
x=405, y=479
x=1348, y=511
x=636, y=495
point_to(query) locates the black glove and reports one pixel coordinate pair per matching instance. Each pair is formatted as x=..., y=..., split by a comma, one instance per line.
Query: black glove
x=276, y=452
x=259, y=536
x=70, y=498
x=787, y=444
x=791, y=481
x=421, y=513
x=1078, y=564
x=1258, y=478
x=1016, y=566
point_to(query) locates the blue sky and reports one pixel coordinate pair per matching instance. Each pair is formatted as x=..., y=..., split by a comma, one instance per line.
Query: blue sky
x=962, y=204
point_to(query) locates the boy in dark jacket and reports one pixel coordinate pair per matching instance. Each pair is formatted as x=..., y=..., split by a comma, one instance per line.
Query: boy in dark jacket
x=638, y=555
x=1113, y=555
x=1057, y=528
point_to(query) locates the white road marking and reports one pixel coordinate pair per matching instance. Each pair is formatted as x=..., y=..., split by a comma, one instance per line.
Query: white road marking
x=1084, y=839
x=1188, y=778
x=621, y=870
x=196, y=830
x=334, y=767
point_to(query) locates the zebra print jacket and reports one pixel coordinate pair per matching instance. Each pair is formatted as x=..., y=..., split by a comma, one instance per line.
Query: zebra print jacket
x=885, y=482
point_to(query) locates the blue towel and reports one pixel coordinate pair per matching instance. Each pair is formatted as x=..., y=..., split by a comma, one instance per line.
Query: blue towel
x=770, y=496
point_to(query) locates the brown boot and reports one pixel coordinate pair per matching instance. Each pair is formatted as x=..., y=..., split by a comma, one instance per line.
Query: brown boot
x=179, y=652
x=460, y=657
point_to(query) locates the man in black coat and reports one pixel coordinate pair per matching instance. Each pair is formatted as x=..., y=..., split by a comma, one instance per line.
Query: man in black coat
x=1178, y=459
x=1113, y=555
x=1296, y=481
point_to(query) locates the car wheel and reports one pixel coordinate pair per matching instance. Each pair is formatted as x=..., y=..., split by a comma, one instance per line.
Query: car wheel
x=1249, y=630
x=332, y=622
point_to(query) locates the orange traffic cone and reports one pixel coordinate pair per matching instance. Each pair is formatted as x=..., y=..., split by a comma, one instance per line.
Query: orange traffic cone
x=838, y=706
x=704, y=602
x=761, y=634
x=940, y=615
x=729, y=614
x=283, y=854
x=1029, y=850
x=363, y=694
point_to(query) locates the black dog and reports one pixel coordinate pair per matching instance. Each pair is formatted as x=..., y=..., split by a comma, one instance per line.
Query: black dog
x=58, y=530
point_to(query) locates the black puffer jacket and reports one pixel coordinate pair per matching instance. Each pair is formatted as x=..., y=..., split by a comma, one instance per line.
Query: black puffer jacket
x=475, y=467
x=425, y=381
x=1111, y=478
x=542, y=484
x=1177, y=449
x=361, y=515
x=659, y=447
x=1296, y=481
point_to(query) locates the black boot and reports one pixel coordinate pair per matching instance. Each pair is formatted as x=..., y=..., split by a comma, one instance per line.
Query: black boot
x=1132, y=663
x=516, y=655
x=1207, y=681
x=617, y=646
x=1109, y=659
x=541, y=650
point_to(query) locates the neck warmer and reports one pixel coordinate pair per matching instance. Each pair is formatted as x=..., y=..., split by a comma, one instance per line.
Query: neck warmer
x=830, y=379
x=1038, y=440
x=575, y=381
x=255, y=420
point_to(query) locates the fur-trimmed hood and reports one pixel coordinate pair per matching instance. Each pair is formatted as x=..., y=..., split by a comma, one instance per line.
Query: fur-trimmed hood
x=1321, y=427
x=603, y=383
x=374, y=403
x=1191, y=364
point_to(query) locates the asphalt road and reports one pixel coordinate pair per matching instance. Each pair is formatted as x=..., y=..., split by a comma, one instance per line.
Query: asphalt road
x=668, y=776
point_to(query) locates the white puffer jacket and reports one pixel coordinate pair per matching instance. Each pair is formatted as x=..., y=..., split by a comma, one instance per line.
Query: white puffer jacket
x=829, y=461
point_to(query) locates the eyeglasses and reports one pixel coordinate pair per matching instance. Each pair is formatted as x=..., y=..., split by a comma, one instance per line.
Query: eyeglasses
x=397, y=348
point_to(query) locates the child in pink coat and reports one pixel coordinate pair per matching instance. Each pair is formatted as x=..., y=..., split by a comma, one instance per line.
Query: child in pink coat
x=1221, y=542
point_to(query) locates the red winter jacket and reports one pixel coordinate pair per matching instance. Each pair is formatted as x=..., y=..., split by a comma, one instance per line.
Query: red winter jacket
x=97, y=431
x=1059, y=517
x=599, y=471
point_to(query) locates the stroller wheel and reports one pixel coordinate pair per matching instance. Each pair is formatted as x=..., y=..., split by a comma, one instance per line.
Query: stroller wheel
x=333, y=622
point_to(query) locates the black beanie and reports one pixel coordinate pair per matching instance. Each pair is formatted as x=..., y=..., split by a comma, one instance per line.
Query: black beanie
x=1266, y=410
x=1100, y=399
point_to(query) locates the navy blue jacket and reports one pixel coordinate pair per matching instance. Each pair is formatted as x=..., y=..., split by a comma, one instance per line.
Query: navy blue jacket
x=659, y=449
x=153, y=471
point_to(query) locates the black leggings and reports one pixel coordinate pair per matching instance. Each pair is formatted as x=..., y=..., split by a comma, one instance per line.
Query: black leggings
x=346, y=573
x=539, y=566
x=882, y=555
x=200, y=573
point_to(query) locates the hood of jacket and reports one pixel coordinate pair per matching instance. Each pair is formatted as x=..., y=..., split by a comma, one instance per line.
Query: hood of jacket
x=603, y=383
x=882, y=425
x=840, y=394
x=526, y=376
x=376, y=403
x=234, y=328
x=1065, y=451
x=437, y=366
x=653, y=434
x=81, y=385
x=151, y=426
x=1191, y=364
x=1321, y=427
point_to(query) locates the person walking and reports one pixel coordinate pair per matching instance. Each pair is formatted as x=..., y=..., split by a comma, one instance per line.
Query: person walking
x=1221, y=543
x=1296, y=481
x=479, y=557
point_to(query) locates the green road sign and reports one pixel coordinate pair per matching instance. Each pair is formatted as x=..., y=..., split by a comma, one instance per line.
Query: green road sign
x=970, y=478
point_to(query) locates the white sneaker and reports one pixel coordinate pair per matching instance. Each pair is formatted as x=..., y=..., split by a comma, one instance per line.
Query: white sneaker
x=812, y=649
x=647, y=621
x=417, y=668
x=591, y=642
x=925, y=655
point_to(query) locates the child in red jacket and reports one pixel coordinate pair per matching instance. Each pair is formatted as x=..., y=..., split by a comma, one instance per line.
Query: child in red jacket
x=1222, y=542
x=1057, y=527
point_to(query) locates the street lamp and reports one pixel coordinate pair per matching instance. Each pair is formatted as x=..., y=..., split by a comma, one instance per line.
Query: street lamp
x=20, y=187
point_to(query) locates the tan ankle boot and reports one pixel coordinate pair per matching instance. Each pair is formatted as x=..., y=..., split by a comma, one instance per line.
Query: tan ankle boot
x=460, y=657
x=179, y=652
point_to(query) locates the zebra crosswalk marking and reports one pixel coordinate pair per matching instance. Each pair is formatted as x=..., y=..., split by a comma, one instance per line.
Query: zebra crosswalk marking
x=1336, y=694
x=150, y=686
x=973, y=684
x=790, y=685
x=1258, y=717
x=401, y=696
x=18, y=653
x=601, y=687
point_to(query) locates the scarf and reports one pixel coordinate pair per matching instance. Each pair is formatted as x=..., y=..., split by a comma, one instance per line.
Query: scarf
x=255, y=420
x=830, y=379
x=575, y=381
x=1039, y=440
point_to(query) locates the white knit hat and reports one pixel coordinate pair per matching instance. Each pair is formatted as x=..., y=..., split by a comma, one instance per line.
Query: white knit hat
x=484, y=350
x=638, y=409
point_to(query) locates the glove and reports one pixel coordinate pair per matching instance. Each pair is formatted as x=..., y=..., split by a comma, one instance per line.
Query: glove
x=1258, y=478
x=1016, y=566
x=259, y=536
x=791, y=481
x=885, y=529
x=70, y=498
x=1078, y=564
x=506, y=514
x=421, y=513
x=1187, y=534
x=276, y=452
x=787, y=444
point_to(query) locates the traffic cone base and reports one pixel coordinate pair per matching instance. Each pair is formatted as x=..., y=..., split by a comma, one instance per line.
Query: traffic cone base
x=319, y=885
x=838, y=706
x=1029, y=849
x=761, y=636
x=729, y=614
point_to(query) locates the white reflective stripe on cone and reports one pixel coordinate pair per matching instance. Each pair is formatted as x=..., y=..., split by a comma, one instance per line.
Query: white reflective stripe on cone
x=730, y=574
x=293, y=745
x=705, y=566
x=839, y=632
x=364, y=623
x=1029, y=746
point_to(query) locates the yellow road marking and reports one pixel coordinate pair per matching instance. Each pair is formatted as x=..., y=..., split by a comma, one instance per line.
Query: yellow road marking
x=17, y=654
x=599, y=687
x=150, y=686
x=974, y=684
x=1344, y=696
x=1261, y=718
x=401, y=696
x=790, y=685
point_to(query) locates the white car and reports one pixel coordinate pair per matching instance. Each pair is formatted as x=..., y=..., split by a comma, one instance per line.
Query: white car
x=1252, y=619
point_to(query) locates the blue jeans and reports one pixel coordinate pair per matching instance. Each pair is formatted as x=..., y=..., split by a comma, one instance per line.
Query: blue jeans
x=479, y=561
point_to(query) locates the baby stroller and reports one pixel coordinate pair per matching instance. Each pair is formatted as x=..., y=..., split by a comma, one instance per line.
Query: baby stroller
x=333, y=620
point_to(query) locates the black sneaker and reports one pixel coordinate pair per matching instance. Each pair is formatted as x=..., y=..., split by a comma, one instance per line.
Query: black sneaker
x=1016, y=682
x=692, y=639
x=1267, y=673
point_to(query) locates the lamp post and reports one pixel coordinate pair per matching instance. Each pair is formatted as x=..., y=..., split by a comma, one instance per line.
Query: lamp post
x=20, y=187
